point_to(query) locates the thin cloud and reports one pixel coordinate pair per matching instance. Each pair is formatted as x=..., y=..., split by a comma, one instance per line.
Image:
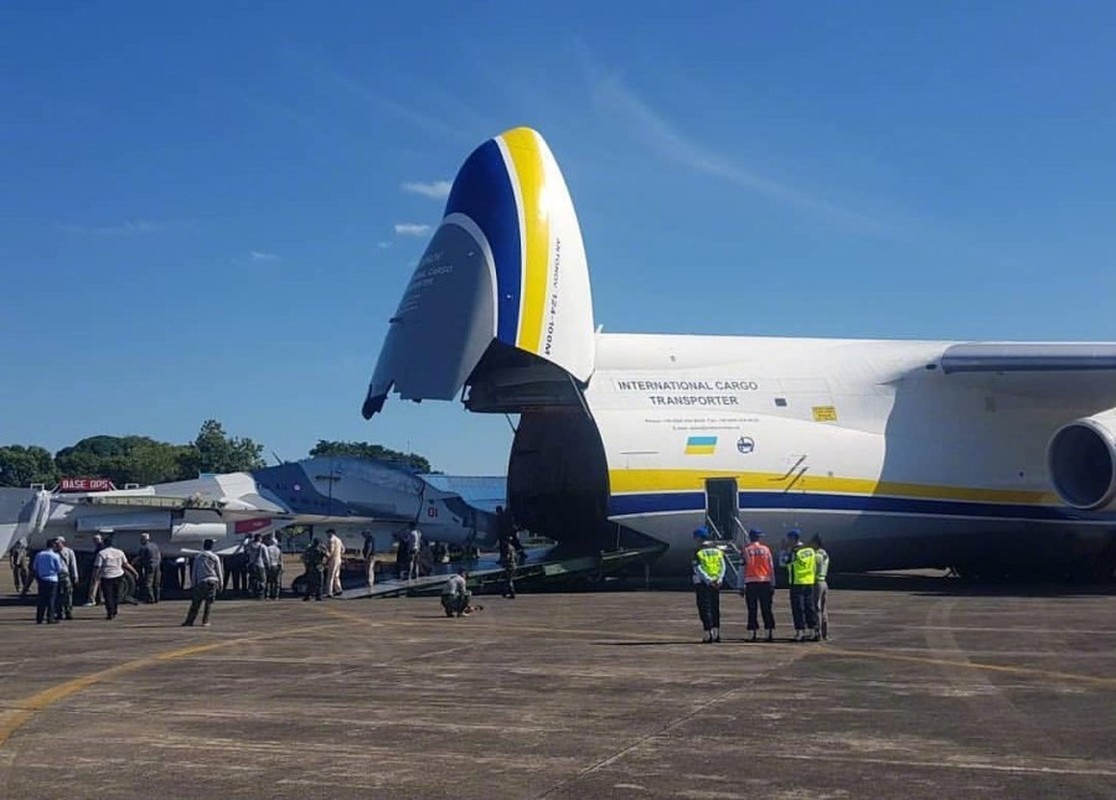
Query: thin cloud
x=383, y=245
x=257, y=255
x=411, y=229
x=129, y=227
x=438, y=190
x=672, y=144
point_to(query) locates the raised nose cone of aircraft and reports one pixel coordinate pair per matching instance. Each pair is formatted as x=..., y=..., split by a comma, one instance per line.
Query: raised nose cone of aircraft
x=505, y=271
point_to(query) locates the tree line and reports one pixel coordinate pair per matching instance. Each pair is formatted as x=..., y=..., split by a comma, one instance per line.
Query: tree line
x=143, y=460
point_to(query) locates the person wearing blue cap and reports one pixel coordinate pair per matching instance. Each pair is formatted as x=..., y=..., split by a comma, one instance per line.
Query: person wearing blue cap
x=759, y=584
x=802, y=566
x=709, y=573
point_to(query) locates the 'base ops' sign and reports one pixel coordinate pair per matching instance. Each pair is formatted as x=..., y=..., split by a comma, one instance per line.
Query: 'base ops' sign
x=85, y=485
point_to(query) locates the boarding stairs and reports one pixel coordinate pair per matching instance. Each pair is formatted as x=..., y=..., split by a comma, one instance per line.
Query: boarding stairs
x=734, y=558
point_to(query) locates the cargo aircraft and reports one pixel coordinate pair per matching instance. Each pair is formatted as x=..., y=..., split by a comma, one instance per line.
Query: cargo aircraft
x=983, y=456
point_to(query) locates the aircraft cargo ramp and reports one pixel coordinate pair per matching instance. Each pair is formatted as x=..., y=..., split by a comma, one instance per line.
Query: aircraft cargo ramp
x=544, y=567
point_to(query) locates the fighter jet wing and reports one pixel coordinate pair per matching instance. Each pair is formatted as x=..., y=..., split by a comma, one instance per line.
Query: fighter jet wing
x=230, y=508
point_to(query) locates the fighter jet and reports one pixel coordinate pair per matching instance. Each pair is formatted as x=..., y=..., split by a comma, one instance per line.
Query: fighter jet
x=354, y=496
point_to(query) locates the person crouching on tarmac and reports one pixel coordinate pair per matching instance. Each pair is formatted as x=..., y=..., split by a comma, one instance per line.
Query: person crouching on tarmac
x=802, y=567
x=456, y=595
x=709, y=572
x=759, y=585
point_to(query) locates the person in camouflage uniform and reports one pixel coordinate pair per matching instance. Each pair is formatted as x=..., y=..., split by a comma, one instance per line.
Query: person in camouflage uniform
x=314, y=557
x=21, y=571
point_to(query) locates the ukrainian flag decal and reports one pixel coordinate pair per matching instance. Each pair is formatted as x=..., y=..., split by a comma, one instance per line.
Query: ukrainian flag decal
x=701, y=445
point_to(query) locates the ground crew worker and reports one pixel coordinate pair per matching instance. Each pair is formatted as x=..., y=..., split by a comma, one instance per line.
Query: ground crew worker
x=708, y=574
x=821, y=588
x=111, y=564
x=455, y=594
x=253, y=562
x=206, y=577
x=314, y=558
x=368, y=552
x=414, y=552
x=21, y=574
x=273, y=567
x=335, y=550
x=237, y=572
x=759, y=584
x=509, y=559
x=149, y=562
x=93, y=596
x=67, y=581
x=47, y=566
x=507, y=533
x=802, y=569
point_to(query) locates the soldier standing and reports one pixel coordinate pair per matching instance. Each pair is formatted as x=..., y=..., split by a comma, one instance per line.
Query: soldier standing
x=509, y=558
x=149, y=562
x=21, y=575
x=314, y=558
x=67, y=581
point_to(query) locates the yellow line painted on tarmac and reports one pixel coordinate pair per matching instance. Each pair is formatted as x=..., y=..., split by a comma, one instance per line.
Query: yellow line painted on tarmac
x=945, y=662
x=11, y=721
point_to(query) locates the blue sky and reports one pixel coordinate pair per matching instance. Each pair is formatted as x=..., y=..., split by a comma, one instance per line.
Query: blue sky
x=210, y=209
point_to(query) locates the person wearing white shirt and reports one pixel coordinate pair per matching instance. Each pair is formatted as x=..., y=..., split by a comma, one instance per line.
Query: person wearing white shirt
x=336, y=549
x=110, y=565
x=414, y=543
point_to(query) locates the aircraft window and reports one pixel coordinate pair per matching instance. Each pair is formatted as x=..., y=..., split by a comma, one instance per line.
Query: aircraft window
x=781, y=402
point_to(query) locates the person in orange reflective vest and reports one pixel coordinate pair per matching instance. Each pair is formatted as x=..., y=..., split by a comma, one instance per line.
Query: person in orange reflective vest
x=709, y=573
x=759, y=585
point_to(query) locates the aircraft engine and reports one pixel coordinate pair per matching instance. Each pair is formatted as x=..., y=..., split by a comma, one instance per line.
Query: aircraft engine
x=1081, y=458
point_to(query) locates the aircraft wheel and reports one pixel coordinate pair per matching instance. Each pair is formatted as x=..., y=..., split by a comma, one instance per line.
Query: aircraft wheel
x=298, y=586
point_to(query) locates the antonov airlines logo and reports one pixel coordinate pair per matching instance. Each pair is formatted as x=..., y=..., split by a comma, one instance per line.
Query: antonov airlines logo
x=701, y=445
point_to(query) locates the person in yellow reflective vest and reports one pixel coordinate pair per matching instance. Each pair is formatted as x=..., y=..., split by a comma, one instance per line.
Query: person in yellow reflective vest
x=802, y=570
x=709, y=573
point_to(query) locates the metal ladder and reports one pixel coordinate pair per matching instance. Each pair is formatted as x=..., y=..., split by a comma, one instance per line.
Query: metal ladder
x=733, y=557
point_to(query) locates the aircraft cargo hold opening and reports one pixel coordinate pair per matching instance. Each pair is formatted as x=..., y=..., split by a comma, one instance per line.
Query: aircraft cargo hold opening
x=558, y=476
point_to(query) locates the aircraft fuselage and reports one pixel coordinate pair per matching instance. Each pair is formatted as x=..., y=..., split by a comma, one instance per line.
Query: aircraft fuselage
x=865, y=443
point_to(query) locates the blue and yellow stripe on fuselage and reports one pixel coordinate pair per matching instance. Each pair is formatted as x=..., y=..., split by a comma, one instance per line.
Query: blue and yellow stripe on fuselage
x=502, y=187
x=639, y=492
